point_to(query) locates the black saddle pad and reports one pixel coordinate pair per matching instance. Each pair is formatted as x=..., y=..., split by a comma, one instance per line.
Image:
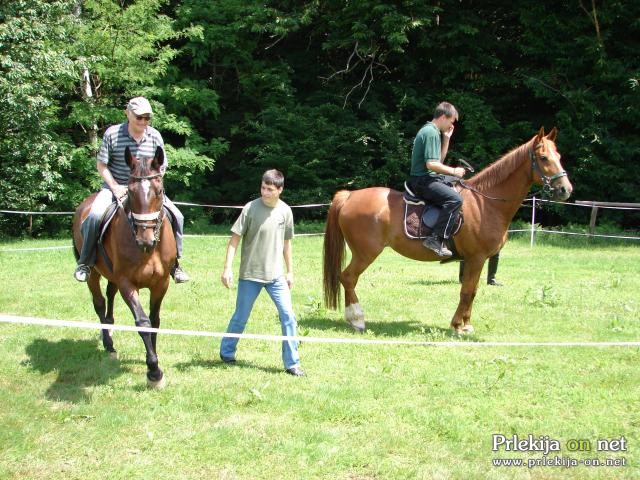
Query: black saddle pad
x=419, y=219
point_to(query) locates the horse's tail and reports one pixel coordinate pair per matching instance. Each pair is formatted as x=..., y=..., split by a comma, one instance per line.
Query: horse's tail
x=333, y=252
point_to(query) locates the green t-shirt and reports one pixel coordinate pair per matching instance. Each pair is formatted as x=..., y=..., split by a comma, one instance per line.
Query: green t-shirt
x=263, y=230
x=427, y=146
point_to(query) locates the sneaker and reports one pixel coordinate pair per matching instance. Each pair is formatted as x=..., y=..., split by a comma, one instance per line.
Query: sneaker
x=437, y=245
x=228, y=360
x=296, y=371
x=82, y=272
x=179, y=275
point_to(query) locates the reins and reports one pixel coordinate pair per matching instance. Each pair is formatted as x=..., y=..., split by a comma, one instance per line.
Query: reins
x=464, y=184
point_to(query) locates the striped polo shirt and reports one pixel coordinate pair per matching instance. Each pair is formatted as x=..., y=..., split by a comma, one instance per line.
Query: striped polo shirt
x=116, y=139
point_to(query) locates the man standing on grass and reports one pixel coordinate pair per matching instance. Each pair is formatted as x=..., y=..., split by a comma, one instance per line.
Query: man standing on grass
x=266, y=228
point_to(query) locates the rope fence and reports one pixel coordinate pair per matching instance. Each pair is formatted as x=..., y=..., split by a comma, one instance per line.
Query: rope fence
x=46, y=322
x=533, y=201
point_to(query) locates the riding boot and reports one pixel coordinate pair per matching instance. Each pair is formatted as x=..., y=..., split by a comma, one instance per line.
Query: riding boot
x=179, y=275
x=492, y=270
x=90, y=231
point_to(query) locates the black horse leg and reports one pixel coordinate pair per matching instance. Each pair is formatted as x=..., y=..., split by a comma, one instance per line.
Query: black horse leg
x=130, y=295
x=103, y=309
x=107, y=339
x=154, y=312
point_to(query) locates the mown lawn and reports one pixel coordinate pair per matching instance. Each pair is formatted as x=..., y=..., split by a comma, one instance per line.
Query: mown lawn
x=363, y=411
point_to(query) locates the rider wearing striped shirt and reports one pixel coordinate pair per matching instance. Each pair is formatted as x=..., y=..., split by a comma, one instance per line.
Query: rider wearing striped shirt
x=142, y=140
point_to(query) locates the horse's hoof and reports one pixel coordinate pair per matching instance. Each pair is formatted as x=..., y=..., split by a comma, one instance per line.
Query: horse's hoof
x=354, y=315
x=157, y=384
x=357, y=328
x=468, y=329
x=113, y=355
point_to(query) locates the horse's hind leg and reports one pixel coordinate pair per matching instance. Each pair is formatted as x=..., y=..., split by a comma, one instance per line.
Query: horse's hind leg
x=103, y=309
x=353, y=312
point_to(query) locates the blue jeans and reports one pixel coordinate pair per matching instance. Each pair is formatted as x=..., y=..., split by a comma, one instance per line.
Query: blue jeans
x=279, y=292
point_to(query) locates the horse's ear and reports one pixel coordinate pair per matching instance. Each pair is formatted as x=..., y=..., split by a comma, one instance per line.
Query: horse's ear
x=158, y=159
x=540, y=134
x=552, y=134
x=127, y=157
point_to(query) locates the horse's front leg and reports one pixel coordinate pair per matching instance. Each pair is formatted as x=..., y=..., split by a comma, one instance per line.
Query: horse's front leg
x=461, y=321
x=157, y=294
x=103, y=309
x=130, y=295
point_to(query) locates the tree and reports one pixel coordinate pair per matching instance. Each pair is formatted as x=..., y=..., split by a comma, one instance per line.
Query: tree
x=35, y=69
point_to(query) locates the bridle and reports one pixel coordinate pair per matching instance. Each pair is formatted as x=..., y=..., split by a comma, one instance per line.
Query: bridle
x=547, y=181
x=143, y=219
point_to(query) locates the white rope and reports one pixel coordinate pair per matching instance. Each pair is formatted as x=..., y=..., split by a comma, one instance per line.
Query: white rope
x=34, y=249
x=22, y=212
x=188, y=204
x=194, y=333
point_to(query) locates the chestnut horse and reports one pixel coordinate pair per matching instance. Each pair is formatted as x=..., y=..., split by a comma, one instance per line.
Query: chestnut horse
x=141, y=251
x=372, y=218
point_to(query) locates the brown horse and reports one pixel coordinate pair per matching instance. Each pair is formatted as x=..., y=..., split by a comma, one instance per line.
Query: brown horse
x=372, y=218
x=140, y=250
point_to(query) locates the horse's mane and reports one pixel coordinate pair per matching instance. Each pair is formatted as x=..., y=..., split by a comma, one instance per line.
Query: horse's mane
x=499, y=171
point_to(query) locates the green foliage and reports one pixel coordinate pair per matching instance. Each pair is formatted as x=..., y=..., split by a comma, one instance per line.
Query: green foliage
x=34, y=65
x=127, y=48
x=330, y=92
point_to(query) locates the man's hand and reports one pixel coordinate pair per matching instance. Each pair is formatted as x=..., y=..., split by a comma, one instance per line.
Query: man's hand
x=459, y=172
x=227, y=277
x=449, y=132
x=120, y=191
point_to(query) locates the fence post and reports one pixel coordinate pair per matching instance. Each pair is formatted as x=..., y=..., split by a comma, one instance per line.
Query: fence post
x=533, y=220
x=592, y=221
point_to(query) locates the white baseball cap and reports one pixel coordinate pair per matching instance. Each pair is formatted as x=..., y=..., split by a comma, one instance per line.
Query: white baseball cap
x=139, y=106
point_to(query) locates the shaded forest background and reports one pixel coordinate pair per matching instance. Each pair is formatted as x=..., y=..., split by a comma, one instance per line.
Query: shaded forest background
x=330, y=92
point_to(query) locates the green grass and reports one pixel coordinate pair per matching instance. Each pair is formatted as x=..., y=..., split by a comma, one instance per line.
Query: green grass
x=363, y=411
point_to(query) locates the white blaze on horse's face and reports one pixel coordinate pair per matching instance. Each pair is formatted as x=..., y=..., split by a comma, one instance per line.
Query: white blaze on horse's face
x=146, y=188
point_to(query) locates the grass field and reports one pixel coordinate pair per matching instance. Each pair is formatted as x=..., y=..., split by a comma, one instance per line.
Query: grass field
x=363, y=411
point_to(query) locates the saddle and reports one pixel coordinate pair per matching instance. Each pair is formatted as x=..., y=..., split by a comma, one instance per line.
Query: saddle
x=420, y=217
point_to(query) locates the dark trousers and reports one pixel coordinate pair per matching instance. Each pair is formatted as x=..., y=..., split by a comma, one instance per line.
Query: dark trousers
x=434, y=190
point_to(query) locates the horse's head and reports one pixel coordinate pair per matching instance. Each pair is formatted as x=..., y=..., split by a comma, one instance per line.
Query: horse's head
x=146, y=195
x=547, y=169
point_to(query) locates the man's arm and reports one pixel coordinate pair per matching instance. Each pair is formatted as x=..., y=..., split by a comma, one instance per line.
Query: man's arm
x=227, y=272
x=288, y=260
x=442, y=169
x=438, y=166
x=118, y=190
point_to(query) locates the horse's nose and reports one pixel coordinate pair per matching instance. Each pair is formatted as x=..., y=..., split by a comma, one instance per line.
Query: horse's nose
x=146, y=245
x=563, y=192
